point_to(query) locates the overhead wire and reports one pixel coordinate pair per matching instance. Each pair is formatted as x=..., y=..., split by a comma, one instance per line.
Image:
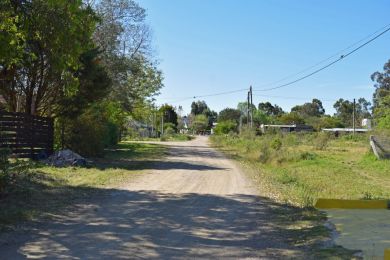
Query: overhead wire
x=326, y=66
x=382, y=31
x=295, y=98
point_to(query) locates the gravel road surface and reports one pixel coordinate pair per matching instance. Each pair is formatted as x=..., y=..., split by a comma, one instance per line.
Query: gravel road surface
x=193, y=204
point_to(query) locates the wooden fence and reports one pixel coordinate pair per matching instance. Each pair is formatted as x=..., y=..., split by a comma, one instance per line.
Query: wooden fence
x=25, y=135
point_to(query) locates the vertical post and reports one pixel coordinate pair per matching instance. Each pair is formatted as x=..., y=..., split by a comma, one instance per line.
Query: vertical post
x=353, y=116
x=240, y=125
x=251, y=106
x=247, y=109
x=162, y=124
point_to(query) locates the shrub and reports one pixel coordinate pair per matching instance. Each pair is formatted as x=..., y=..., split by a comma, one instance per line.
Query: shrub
x=307, y=156
x=321, y=141
x=169, y=131
x=276, y=144
x=265, y=152
x=248, y=133
x=226, y=127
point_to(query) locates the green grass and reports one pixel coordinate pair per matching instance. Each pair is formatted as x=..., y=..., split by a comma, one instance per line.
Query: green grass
x=42, y=189
x=300, y=172
x=305, y=168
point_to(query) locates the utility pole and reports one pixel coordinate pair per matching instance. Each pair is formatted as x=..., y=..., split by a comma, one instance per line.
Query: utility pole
x=353, y=116
x=251, y=107
x=240, y=125
x=247, y=109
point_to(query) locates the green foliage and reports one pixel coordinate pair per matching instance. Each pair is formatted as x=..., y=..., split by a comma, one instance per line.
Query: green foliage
x=313, y=109
x=319, y=123
x=382, y=86
x=308, y=156
x=47, y=46
x=344, y=111
x=169, y=114
x=271, y=110
x=276, y=144
x=95, y=129
x=201, y=108
x=94, y=85
x=229, y=114
x=247, y=132
x=169, y=131
x=291, y=118
x=259, y=117
x=200, y=123
x=298, y=174
x=382, y=113
x=225, y=127
x=322, y=140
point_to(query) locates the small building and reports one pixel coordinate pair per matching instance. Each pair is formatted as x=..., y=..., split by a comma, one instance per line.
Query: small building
x=287, y=128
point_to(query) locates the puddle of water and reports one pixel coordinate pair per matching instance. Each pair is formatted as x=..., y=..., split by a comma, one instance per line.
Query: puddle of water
x=363, y=229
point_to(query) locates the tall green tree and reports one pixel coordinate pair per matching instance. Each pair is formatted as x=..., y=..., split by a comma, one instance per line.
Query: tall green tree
x=382, y=84
x=344, y=111
x=201, y=108
x=50, y=37
x=271, y=110
x=229, y=114
x=124, y=39
x=312, y=109
x=169, y=114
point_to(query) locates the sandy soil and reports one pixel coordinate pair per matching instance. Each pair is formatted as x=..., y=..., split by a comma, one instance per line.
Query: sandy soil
x=193, y=204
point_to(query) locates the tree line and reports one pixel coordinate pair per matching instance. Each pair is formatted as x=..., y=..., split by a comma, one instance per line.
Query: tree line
x=312, y=113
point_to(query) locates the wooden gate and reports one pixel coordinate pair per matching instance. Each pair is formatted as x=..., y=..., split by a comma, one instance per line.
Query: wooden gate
x=25, y=135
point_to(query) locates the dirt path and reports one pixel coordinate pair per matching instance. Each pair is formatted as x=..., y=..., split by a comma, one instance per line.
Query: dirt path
x=193, y=204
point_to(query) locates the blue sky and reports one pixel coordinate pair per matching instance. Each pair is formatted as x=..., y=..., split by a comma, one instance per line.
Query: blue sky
x=212, y=46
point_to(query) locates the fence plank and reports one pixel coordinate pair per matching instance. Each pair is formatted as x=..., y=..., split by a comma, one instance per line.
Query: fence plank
x=26, y=135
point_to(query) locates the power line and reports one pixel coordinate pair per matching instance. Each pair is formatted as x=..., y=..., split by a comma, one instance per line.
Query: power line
x=382, y=31
x=296, y=98
x=328, y=65
x=326, y=59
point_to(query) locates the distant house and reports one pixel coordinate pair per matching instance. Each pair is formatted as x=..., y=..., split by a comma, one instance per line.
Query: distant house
x=287, y=128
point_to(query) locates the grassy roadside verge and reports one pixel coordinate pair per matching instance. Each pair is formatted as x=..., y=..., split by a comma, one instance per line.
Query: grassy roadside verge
x=299, y=169
x=295, y=170
x=42, y=189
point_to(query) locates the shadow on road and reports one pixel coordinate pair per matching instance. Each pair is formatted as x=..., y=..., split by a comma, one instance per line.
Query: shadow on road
x=125, y=224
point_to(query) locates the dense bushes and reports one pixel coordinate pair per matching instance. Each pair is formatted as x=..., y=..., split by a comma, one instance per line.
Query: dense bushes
x=95, y=129
x=225, y=127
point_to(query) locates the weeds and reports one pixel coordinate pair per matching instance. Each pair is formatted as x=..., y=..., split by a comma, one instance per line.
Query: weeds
x=299, y=168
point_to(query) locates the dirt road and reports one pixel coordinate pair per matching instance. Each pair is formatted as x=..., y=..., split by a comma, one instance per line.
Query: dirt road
x=193, y=204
